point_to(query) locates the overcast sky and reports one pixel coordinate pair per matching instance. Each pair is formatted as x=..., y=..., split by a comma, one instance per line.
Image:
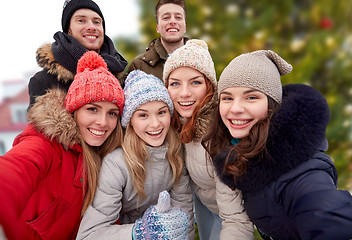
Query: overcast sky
x=26, y=25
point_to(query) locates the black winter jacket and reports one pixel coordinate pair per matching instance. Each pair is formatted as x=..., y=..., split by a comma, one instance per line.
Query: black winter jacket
x=292, y=194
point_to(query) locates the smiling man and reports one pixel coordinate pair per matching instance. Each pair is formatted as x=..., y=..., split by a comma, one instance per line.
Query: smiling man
x=83, y=29
x=171, y=25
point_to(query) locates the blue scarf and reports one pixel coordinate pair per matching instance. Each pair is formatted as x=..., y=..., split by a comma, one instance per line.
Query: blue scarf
x=235, y=141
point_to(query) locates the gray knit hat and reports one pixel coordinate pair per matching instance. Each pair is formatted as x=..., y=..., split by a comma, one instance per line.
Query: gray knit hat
x=193, y=54
x=141, y=88
x=260, y=70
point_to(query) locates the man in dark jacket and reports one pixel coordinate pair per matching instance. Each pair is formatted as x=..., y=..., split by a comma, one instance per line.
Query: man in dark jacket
x=83, y=29
x=171, y=25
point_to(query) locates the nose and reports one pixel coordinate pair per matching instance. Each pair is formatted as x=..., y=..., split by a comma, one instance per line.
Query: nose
x=172, y=19
x=237, y=107
x=185, y=91
x=102, y=120
x=91, y=25
x=154, y=121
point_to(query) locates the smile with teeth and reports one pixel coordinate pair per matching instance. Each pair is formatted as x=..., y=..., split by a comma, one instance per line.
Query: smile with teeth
x=186, y=103
x=239, y=122
x=172, y=30
x=91, y=37
x=155, y=133
x=96, y=132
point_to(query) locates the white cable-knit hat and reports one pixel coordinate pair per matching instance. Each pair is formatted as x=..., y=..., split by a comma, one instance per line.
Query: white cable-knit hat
x=193, y=54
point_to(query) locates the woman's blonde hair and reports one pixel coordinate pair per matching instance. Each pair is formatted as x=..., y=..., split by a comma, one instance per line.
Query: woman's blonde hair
x=92, y=160
x=136, y=155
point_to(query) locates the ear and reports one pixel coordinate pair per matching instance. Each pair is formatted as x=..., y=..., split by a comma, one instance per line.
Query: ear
x=157, y=28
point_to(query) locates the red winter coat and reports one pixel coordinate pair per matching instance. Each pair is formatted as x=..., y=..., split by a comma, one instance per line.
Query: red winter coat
x=41, y=184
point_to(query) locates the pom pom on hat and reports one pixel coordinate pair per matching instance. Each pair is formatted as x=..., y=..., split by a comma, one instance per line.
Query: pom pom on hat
x=141, y=88
x=260, y=70
x=71, y=6
x=93, y=83
x=193, y=54
x=91, y=61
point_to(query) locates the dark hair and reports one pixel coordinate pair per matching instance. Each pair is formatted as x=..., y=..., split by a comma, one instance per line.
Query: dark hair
x=70, y=7
x=162, y=2
x=218, y=139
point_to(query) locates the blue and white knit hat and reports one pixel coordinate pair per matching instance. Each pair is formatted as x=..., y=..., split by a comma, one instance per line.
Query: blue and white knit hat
x=141, y=88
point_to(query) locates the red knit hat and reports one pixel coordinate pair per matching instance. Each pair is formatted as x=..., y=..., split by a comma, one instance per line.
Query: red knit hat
x=93, y=83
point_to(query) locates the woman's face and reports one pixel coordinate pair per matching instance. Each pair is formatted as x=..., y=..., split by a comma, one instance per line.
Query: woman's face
x=240, y=108
x=151, y=122
x=187, y=88
x=96, y=121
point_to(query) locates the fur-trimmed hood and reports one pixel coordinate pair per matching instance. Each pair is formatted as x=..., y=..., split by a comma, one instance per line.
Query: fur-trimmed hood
x=50, y=117
x=46, y=60
x=297, y=132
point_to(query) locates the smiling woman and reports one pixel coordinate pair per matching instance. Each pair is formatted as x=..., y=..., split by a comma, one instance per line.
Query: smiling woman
x=57, y=158
x=149, y=162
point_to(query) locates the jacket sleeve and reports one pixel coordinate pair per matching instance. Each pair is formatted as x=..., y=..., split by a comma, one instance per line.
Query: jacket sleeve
x=181, y=196
x=236, y=223
x=21, y=169
x=317, y=207
x=133, y=65
x=38, y=85
x=99, y=219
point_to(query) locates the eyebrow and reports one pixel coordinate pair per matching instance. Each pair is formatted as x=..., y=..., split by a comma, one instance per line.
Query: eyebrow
x=245, y=92
x=77, y=16
x=85, y=16
x=250, y=91
x=193, y=78
x=143, y=110
x=98, y=106
x=172, y=13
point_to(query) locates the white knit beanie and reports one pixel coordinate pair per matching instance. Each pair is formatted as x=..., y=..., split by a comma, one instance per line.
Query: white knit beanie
x=260, y=70
x=193, y=54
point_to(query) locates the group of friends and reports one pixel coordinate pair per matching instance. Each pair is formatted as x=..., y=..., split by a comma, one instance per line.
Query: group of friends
x=146, y=150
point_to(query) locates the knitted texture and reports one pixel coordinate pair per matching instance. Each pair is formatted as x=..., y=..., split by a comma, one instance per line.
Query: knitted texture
x=193, y=54
x=259, y=70
x=93, y=83
x=141, y=88
x=162, y=221
x=71, y=6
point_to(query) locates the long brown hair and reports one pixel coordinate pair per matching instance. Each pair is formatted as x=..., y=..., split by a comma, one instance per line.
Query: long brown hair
x=187, y=130
x=218, y=139
x=92, y=160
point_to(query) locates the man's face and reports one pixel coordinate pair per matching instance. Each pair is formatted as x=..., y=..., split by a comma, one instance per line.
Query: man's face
x=171, y=23
x=86, y=26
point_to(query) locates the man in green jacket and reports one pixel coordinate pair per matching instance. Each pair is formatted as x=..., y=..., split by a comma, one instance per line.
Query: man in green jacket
x=171, y=25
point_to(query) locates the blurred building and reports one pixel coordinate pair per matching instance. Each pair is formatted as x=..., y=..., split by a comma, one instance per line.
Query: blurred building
x=13, y=110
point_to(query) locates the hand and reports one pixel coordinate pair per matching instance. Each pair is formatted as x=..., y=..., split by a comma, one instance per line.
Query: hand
x=162, y=221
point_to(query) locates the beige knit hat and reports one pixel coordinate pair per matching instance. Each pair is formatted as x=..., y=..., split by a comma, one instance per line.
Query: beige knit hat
x=260, y=70
x=193, y=54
